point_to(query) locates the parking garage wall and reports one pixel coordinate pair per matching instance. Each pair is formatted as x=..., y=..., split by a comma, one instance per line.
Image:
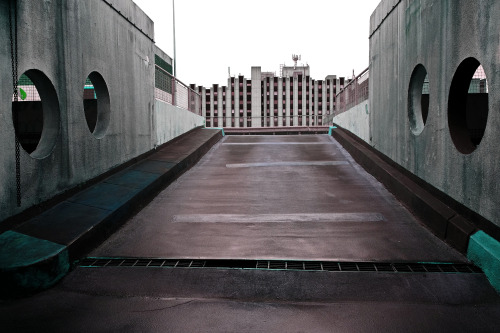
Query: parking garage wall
x=61, y=43
x=449, y=39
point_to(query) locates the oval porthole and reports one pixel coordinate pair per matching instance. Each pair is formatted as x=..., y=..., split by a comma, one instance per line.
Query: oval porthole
x=468, y=106
x=418, y=99
x=96, y=104
x=35, y=114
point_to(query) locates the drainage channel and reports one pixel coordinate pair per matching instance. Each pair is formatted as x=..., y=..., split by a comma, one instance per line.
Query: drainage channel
x=290, y=265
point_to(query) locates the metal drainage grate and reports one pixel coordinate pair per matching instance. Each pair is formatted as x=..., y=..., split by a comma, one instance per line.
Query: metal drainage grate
x=291, y=265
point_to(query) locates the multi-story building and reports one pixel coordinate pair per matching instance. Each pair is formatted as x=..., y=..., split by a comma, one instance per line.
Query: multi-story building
x=266, y=100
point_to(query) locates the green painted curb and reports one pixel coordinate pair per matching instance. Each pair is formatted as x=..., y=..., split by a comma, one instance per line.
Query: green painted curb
x=484, y=251
x=36, y=265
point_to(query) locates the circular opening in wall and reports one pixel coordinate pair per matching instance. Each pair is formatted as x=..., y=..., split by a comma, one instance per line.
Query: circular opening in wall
x=35, y=114
x=468, y=106
x=96, y=104
x=418, y=99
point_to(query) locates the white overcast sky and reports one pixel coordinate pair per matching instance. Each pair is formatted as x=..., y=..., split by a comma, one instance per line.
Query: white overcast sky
x=212, y=35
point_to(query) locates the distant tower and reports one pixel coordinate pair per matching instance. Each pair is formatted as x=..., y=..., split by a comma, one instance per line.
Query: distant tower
x=295, y=58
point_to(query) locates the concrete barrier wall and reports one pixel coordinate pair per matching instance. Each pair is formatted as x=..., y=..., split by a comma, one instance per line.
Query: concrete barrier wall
x=172, y=121
x=356, y=120
x=66, y=40
x=438, y=35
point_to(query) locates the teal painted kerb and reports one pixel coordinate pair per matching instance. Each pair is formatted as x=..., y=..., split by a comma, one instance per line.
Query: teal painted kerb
x=484, y=251
x=218, y=128
x=20, y=250
x=29, y=264
x=330, y=130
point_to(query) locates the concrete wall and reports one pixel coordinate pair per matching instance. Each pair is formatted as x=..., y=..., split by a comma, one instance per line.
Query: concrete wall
x=356, y=120
x=66, y=40
x=173, y=121
x=439, y=35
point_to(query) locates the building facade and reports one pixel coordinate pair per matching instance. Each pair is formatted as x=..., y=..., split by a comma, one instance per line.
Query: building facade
x=266, y=100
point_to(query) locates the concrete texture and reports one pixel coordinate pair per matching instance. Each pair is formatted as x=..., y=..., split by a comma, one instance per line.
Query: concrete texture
x=357, y=120
x=37, y=253
x=444, y=222
x=298, y=197
x=150, y=299
x=171, y=121
x=60, y=43
x=286, y=211
x=438, y=35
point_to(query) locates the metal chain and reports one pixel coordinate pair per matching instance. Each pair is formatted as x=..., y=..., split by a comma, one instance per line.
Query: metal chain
x=13, y=53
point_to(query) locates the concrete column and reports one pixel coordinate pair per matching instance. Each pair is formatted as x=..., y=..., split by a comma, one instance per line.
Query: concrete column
x=311, y=93
x=203, y=102
x=256, y=77
x=324, y=99
x=211, y=111
x=244, y=102
x=304, y=104
x=280, y=102
x=236, y=102
x=271, y=101
x=315, y=100
x=220, y=109
x=228, y=103
x=287, y=96
x=295, y=101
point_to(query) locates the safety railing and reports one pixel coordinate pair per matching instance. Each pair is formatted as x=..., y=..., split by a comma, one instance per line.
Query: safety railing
x=353, y=93
x=264, y=121
x=170, y=90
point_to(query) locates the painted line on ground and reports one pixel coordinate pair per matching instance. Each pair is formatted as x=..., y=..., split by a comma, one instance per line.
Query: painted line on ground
x=277, y=143
x=278, y=218
x=274, y=164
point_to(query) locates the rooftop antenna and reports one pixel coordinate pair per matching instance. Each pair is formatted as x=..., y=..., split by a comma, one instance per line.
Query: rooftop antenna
x=295, y=57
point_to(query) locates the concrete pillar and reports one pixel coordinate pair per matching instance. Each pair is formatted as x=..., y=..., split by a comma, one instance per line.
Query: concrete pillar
x=311, y=93
x=324, y=99
x=304, y=104
x=236, y=102
x=228, y=103
x=295, y=101
x=211, y=111
x=256, y=77
x=287, y=96
x=203, y=102
x=280, y=102
x=315, y=99
x=220, y=111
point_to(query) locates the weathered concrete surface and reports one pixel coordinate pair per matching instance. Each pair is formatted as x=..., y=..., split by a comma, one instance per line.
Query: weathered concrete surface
x=171, y=121
x=439, y=35
x=66, y=40
x=313, y=200
x=37, y=253
x=357, y=120
x=210, y=300
x=279, y=209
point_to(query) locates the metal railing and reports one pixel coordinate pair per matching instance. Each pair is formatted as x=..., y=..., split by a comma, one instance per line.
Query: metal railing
x=353, y=93
x=170, y=90
x=264, y=121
